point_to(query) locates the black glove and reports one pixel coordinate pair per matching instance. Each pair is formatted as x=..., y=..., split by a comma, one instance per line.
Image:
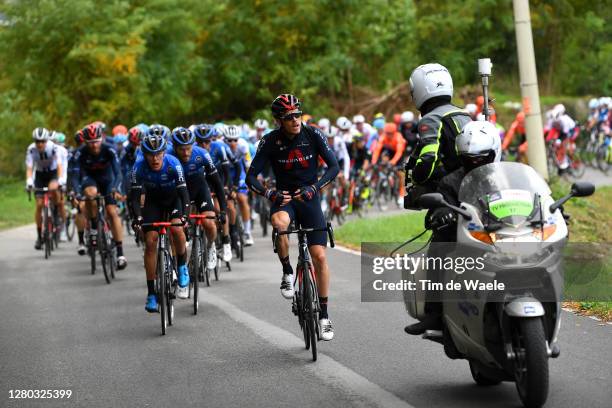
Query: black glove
x=440, y=218
x=137, y=224
x=307, y=193
x=222, y=217
x=274, y=196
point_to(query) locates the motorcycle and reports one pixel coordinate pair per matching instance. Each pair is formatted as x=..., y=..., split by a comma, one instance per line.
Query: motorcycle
x=507, y=217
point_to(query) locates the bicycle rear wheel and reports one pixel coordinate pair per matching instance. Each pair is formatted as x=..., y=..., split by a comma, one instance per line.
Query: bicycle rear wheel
x=161, y=289
x=45, y=235
x=309, y=313
x=92, y=256
x=169, y=294
x=194, y=271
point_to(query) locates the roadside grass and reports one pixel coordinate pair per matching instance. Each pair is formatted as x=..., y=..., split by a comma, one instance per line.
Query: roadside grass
x=590, y=222
x=15, y=209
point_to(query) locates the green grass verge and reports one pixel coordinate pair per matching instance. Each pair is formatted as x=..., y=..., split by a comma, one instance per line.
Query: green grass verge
x=590, y=222
x=15, y=209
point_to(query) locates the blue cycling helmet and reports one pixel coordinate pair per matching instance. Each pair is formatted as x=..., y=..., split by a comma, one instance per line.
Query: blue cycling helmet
x=155, y=140
x=182, y=136
x=201, y=131
x=379, y=123
x=119, y=139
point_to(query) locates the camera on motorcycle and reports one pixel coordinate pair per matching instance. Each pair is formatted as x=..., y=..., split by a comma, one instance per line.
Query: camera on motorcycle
x=582, y=189
x=435, y=200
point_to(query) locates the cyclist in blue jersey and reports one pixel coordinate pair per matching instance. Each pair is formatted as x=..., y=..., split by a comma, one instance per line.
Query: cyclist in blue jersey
x=79, y=219
x=293, y=152
x=160, y=176
x=200, y=173
x=204, y=139
x=98, y=170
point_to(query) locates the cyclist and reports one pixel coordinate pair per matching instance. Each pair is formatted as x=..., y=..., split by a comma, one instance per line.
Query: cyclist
x=204, y=138
x=339, y=147
x=379, y=125
x=261, y=128
x=240, y=151
x=79, y=219
x=392, y=144
x=359, y=164
x=517, y=128
x=59, y=139
x=326, y=127
x=361, y=126
x=43, y=169
x=344, y=130
x=293, y=151
x=200, y=173
x=99, y=171
x=160, y=177
x=431, y=88
x=409, y=131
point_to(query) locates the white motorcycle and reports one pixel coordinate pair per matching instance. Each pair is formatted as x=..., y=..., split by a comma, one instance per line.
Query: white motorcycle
x=507, y=217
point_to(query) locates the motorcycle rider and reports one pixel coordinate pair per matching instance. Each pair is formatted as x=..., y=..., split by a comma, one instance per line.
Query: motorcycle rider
x=431, y=88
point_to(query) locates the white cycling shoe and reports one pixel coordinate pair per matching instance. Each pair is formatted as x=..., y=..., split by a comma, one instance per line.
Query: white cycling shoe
x=326, y=329
x=227, y=252
x=182, y=293
x=248, y=240
x=287, y=286
x=82, y=250
x=211, y=260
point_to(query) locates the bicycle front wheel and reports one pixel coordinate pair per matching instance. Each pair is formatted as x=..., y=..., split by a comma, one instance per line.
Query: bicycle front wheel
x=161, y=289
x=310, y=334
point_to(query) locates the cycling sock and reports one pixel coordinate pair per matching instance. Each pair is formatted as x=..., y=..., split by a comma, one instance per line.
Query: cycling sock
x=323, y=303
x=287, y=268
x=247, y=227
x=150, y=287
x=225, y=239
x=39, y=232
x=81, y=240
x=181, y=259
x=119, y=246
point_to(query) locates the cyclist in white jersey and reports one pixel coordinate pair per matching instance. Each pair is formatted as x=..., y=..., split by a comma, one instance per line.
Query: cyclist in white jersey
x=43, y=169
x=59, y=139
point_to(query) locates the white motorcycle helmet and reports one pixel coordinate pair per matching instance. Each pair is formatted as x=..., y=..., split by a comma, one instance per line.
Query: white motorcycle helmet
x=477, y=144
x=261, y=124
x=407, y=117
x=358, y=119
x=428, y=81
x=471, y=108
x=343, y=123
x=593, y=104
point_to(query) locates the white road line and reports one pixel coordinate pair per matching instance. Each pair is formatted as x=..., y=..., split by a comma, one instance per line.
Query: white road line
x=364, y=392
x=347, y=250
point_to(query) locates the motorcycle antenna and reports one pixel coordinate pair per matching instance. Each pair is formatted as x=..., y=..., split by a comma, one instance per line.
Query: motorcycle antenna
x=484, y=69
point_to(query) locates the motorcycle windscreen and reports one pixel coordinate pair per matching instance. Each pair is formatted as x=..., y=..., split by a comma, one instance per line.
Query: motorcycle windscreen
x=506, y=189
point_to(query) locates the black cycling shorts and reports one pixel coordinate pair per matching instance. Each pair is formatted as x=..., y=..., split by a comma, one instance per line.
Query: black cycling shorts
x=42, y=180
x=199, y=194
x=104, y=186
x=307, y=214
x=160, y=211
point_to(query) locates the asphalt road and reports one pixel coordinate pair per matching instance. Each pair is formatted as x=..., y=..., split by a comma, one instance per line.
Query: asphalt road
x=63, y=328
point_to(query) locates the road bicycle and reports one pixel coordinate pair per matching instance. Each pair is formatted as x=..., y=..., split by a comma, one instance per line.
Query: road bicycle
x=49, y=227
x=102, y=242
x=305, y=303
x=198, y=270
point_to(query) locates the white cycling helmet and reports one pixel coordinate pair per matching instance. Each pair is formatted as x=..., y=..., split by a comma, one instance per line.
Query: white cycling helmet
x=343, y=123
x=471, y=108
x=40, y=134
x=324, y=124
x=593, y=103
x=231, y=132
x=558, y=110
x=358, y=119
x=478, y=143
x=261, y=124
x=428, y=81
x=407, y=117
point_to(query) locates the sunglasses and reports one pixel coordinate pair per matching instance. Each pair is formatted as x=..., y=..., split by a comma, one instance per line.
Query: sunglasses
x=40, y=142
x=94, y=141
x=292, y=116
x=232, y=141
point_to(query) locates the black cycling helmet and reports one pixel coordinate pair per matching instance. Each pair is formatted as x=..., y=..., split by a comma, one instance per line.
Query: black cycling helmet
x=284, y=103
x=154, y=141
x=182, y=136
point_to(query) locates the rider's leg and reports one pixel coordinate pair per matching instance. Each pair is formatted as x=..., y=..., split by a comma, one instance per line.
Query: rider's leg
x=319, y=261
x=91, y=207
x=280, y=221
x=150, y=257
x=38, y=216
x=112, y=212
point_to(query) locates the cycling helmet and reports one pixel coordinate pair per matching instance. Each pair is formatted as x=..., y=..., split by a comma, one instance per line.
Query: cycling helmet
x=182, y=136
x=558, y=111
x=201, y=131
x=358, y=119
x=92, y=132
x=593, y=103
x=390, y=127
x=40, y=134
x=379, y=115
x=155, y=140
x=135, y=135
x=101, y=125
x=357, y=136
x=231, y=132
x=428, y=81
x=343, y=123
x=58, y=137
x=407, y=117
x=471, y=108
x=78, y=137
x=261, y=124
x=325, y=124
x=477, y=144
x=379, y=123
x=119, y=130
x=397, y=118
x=283, y=104
x=162, y=130
x=120, y=139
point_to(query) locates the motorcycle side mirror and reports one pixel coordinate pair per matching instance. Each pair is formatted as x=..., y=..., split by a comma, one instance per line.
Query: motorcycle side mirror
x=431, y=200
x=582, y=189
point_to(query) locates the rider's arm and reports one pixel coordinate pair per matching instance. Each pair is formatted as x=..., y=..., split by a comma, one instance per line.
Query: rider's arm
x=376, y=152
x=429, y=144
x=29, y=165
x=181, y=188
x=509, y=135
x=136, y=190
x=214, y=181
x=400, y=148
x=328, y=157
x=257, y=166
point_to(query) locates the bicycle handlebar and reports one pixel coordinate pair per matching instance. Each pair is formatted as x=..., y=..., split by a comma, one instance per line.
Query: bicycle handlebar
x=162, y=224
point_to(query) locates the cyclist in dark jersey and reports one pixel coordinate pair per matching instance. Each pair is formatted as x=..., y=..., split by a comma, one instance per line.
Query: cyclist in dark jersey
x=99, y=170
x=293, y=152
x=200, y=174
x=360, y=160
x=160, y=176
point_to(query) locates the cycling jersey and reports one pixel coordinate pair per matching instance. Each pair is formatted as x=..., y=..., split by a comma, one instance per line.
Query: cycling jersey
x=103, y=168
x=44, y=161
x=294, y=161
x=359, y=157
x=342, y=155
x=63, y=159
x=395, y=145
